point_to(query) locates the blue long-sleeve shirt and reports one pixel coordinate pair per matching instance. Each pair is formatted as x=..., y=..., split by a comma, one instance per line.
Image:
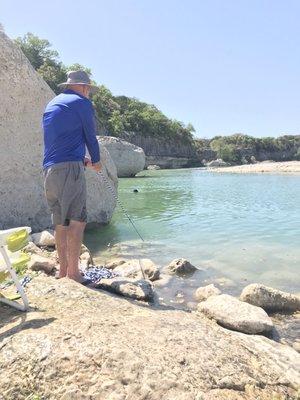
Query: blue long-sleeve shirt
x=69, y=127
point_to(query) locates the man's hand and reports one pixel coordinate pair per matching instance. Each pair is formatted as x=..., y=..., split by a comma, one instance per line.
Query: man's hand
x=87, y=162
x=97, y=166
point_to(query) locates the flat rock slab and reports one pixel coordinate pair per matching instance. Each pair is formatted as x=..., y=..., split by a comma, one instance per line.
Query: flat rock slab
x=235, y=314
x=135, y=289
x=270, y=299
x=79, y=343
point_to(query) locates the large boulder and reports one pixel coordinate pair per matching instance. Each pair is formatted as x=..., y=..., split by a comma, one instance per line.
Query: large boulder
x=128, y=158
x=235, y=314
x=102, y=190
x=270, y=299
x=23, y=96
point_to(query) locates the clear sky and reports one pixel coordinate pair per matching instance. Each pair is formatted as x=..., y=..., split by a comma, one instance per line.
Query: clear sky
x=226, y=66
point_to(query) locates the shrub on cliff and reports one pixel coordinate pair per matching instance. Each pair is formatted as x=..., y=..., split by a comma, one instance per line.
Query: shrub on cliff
x=120, y=113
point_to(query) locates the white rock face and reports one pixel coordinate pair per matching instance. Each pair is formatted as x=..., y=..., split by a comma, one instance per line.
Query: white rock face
x=23, y=96
x=150, y=167
x=128, y=158
x=217, y=163
x=270, y=299
x=235, y=314
x=165, y=162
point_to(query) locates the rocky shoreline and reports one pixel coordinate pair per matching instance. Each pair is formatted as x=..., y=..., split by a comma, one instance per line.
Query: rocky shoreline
x=117, y=341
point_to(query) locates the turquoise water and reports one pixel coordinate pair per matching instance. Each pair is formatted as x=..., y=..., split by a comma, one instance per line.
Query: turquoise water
x=245, y=228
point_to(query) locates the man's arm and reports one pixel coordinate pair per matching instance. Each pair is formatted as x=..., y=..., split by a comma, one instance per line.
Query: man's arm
x=88, y=122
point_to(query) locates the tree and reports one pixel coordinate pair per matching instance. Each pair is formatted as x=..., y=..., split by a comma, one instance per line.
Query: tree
x=116, y=124
x=43, y=59
x=53, y=74
x=105, y=105
x=227, y=151
x=77, y=67
x=38, y=51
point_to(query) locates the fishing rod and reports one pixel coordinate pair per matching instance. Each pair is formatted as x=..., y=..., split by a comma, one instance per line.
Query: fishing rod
x=124, y=211
x=118, y=200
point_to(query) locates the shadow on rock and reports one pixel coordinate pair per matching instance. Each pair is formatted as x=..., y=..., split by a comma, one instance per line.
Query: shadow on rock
x=23, y=325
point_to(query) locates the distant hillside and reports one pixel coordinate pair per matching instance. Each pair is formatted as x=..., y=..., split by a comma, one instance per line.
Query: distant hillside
x=239, y=148
x=162, y=139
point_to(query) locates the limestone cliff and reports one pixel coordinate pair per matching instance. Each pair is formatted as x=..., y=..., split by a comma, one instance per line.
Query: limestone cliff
x=171, y=153
x=166, y=153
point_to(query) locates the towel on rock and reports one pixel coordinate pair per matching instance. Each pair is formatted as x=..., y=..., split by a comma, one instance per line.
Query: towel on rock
x=95, y=274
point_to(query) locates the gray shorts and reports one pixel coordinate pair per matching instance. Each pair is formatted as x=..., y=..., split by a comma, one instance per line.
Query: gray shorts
x=65, y=190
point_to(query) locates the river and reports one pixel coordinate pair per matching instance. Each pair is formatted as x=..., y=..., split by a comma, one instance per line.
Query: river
x=238, y=229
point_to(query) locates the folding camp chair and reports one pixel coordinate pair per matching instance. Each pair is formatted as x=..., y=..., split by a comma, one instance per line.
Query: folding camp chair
x=11, y=242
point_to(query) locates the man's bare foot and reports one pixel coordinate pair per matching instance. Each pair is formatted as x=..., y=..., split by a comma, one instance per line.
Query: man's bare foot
x=62, y=273
x=78, y=277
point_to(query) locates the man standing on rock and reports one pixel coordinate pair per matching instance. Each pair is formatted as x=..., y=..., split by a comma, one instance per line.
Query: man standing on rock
x=69, y=128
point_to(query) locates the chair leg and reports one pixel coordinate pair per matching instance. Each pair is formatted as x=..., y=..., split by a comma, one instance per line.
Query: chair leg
x=20, y=288
x=14, y=304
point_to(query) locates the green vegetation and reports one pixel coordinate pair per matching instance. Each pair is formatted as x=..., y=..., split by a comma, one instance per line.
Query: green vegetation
x=115, y=114
x=120, y=113
x=234, y=148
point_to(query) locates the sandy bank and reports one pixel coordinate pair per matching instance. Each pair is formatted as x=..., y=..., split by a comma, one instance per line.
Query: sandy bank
x=287, y=167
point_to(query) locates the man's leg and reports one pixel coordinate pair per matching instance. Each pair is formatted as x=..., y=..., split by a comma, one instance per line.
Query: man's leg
x=74, y=241
x=61, y=247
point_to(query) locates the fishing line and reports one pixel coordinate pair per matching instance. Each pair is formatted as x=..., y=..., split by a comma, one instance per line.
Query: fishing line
x=124, y=211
